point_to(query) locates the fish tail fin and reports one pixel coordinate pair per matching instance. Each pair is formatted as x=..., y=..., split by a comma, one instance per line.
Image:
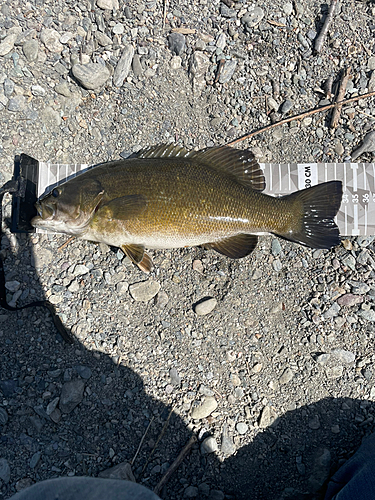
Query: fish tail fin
x=320, y=204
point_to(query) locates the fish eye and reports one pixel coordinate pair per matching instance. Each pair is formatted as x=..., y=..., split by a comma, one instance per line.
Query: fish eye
x=55, y=193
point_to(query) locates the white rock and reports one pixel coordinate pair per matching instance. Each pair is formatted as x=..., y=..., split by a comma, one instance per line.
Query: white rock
x=38, y=90
x=205, y=307
x=55, y=299
x=51, y=39
x=7, y=44
x=144, y=290
x=66, y=37
x=108, y=4
x=209, y=445
x=204, y=409
x=176, y=62
x=80, y=269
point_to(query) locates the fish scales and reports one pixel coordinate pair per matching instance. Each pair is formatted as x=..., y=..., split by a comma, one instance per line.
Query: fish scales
x=168, y=197
x=187, y=205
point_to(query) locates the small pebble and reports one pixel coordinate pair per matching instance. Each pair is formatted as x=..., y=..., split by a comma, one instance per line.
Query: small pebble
x=242, y=428
x=4, y=471
x=144, y=290
x=209, y=445
x=205, y=307
x=286, y=106
x=204, y=409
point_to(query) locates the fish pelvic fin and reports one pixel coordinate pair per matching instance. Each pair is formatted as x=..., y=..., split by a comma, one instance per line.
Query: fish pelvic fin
x=137, y=255
x=319, y=206
x=235, y=247
x=146, y=264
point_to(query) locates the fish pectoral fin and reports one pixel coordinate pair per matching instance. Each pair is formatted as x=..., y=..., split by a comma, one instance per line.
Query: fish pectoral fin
x=235, y=247
x=123, y=208
x=137, y=254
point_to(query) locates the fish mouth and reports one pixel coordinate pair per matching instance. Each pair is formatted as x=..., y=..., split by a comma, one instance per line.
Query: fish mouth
x=46, y=215
x=45, y=210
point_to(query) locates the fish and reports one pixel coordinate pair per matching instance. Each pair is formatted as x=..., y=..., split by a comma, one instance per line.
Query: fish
x=169, y=197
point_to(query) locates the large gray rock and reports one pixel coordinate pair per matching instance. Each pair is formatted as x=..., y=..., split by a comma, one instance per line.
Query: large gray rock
x=92, y=75
x=123, y=66
x=121, y=471
x=71, y=395
x=144, y=290
x=51, y=39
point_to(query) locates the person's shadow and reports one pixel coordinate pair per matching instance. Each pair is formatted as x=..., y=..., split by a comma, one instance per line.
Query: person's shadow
x=44, y=434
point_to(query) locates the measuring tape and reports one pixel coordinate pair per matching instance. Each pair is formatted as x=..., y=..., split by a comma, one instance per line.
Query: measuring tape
x=356, y=216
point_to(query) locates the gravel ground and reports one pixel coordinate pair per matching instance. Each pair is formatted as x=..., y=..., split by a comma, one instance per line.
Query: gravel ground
x=268, y=360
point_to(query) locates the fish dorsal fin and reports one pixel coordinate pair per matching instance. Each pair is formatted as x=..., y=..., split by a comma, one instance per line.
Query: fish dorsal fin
x=163, y=151
x=235, y=247
x=241, y=165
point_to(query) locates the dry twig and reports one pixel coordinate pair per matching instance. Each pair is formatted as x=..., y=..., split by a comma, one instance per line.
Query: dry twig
x=141, y=442
x=66, y=243
x=319, y=41
x=184, y=31
x=164, y=12
x=185, y=450
x=299, y=117
x=340, y=96
x=158, y=440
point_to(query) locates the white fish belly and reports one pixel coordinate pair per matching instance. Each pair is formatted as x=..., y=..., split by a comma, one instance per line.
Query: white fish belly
x=155, y=241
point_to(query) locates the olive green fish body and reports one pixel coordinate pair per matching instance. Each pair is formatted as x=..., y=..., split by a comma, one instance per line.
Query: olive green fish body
x=168, y=197
x=186, y=205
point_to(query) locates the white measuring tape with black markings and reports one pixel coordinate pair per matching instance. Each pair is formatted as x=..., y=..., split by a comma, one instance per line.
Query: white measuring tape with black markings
x=356, y=216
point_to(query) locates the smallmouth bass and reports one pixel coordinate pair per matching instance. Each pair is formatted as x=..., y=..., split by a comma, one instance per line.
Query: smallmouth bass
x=168, y=197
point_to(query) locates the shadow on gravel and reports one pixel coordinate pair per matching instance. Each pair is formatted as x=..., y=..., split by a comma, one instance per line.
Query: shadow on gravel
x=65, y=410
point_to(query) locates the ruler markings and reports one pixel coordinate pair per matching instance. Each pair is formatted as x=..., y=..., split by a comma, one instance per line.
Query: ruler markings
x=357, y=212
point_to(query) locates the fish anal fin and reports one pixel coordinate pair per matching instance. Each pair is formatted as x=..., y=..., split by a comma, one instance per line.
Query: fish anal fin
x=123, y=208
x=235, y=247
x=137, y=255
